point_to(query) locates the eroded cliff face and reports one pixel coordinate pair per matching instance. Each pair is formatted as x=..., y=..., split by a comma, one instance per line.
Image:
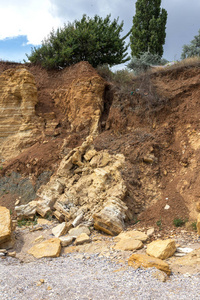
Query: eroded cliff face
x=148, y=140
x=18, y=97
x=82, y=101
x=18, y=122
x=75, y=105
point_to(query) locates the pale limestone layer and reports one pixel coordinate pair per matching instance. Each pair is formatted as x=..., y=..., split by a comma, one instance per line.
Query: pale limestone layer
x=18, y=122
x=18, y=97
x=5, y=225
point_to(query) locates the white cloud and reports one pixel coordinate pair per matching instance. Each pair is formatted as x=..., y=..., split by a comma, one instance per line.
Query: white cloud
x=33, y=18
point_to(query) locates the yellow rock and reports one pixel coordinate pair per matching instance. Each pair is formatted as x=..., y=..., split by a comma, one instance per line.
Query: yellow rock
x=134, y=234
x=49, y=248
x=146, y=261
x=161, y=248
x=128, y=244
x=82, y=239
x=5, y=224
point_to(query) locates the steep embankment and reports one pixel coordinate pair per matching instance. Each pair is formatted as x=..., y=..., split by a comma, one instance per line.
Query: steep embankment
x=156, y=128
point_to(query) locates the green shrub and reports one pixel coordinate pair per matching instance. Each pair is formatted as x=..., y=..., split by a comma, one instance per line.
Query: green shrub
x=144, y=62
x=178, y=222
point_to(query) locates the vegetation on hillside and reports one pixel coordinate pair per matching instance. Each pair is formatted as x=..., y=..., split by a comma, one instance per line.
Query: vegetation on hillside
x=95, y=40
x=193, y=49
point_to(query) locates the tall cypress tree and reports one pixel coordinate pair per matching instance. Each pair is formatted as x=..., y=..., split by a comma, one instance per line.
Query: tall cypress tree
x=149, y=25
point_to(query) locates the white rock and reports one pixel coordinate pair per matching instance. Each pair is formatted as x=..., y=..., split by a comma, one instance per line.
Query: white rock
x=59, y=229
x=184, y=250
x=66, y=240
x=167, y=207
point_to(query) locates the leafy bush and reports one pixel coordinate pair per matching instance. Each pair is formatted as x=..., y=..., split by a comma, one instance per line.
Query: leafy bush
x=94, y=40
x=193, y=49
x=144, y=62
x=178, y=222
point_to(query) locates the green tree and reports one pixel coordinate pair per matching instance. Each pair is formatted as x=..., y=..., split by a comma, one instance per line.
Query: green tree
x=193, y=49
x=149, y=25
x=95, y=40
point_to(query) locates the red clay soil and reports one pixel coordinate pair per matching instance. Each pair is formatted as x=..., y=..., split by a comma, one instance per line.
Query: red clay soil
x=136, y=124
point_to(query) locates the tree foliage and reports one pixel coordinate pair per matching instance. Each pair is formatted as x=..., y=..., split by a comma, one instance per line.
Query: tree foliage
x=149, y=25
x=193, y=49
x=95, y=40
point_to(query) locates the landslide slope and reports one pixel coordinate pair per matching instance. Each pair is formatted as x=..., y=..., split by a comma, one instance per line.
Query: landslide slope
x=153, y=121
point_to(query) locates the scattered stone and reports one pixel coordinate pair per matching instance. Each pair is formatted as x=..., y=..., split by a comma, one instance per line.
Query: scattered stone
x=82, y=239
x=191, y=259
x=146, y=261
x=134, y=234
x=111, y=218
x=160, y=275
x=3, y=251
x=66, y=240
x=43, y=208
x=128, y=244
x=78, y=230
x=167, y=207
x=184, y=250
x=36, y=228
x=77, y=220
x=161, y=248
x=12, y=254
x=150, y=232
x=26, y=211
x=39, y=239
x=49, y=248
x=42, y=221
x=17, y=202
x=5, y=225
x=60, y=229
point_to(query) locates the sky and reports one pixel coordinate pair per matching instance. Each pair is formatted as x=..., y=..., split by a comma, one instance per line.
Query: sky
x=24, y=24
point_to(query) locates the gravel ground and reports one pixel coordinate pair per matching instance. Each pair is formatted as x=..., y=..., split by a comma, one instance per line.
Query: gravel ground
x=71, y=277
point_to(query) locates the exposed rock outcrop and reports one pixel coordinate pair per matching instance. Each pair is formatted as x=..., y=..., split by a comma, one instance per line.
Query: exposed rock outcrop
x=83, y=101
x=18, y=122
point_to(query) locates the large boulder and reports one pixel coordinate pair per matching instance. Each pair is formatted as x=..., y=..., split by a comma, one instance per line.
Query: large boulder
x=133, y=234
x=48, y=248
x=146, y=261
x=5, y=225
x=128, y=244
x=161, y=248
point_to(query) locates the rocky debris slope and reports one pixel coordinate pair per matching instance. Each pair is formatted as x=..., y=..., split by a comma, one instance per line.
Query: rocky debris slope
x=88, y=187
